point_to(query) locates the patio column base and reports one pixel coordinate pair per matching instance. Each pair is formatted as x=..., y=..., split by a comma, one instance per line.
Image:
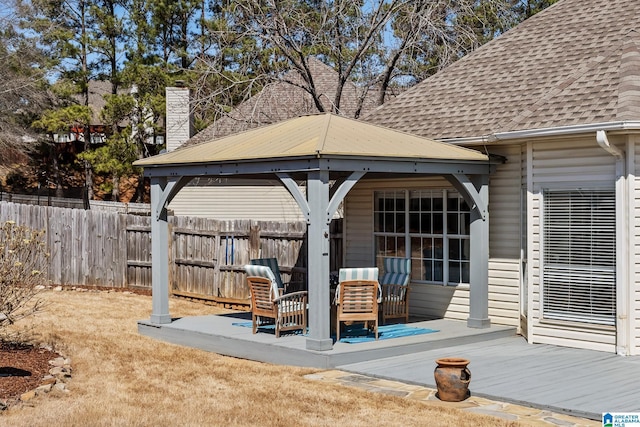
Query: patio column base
x=160, y=318
x=478, y=323
x=321, y=345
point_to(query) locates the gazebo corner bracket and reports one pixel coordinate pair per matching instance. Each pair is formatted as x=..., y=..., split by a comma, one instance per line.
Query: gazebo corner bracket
x=172, y=186
x=340, y=193
x=469, y=191
x=293, y=189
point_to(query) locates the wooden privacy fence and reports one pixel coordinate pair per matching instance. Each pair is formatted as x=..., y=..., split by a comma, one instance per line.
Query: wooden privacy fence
x=113, y=249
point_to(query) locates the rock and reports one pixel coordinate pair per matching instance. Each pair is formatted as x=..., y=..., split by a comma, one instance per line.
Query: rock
x=46, y=388
x=58, y=361
x=60, y=387
x=57, y=288
x=57, y=371
x=49, y=379
x=28, y=395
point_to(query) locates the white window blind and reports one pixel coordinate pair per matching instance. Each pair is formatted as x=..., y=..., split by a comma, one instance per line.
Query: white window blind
x=579, y=256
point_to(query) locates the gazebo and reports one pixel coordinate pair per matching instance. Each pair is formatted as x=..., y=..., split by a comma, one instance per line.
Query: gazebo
x=330, y=154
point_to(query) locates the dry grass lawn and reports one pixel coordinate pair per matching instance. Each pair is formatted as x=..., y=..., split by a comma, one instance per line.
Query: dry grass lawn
x=121, y=378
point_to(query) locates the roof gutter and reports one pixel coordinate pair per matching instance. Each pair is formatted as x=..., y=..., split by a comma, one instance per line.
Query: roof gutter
x=545, y=132
x=603, y=141
x=622, y=244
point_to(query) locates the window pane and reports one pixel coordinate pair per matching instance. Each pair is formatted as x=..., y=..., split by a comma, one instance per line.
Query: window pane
x=465, y=272
x=414, y=204
x=437, y=223
x=452, y=204
x=438, y=249
x=426, y=204
x=454, y=249
x=465, y=221
x=452, y=223
x=437, y=271
x=428, y=270
x=465, y=250
x=425, y=223
x=400, y=223
x=437, y=204
x=388, y=222
x=454, y=272
x=414, y=222
x=389, y=204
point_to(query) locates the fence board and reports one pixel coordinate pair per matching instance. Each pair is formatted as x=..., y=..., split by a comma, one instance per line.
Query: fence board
x=110, y=248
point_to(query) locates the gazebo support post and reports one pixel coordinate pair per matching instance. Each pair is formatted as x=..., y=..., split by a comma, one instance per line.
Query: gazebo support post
x=159, y=253
x=318, y=262
x=475, y=190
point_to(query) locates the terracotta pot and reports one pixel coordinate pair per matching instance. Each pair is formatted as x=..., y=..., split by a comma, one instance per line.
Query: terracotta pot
x=452, y=379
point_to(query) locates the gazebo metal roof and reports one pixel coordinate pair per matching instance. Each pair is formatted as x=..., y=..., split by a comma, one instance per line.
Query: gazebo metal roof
x=315, y=136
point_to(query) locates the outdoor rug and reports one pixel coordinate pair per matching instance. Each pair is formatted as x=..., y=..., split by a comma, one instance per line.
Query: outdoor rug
x=356, y=333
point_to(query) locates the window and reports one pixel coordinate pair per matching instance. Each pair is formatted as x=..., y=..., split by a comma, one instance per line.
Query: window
x=431, y=225
x=579, y=256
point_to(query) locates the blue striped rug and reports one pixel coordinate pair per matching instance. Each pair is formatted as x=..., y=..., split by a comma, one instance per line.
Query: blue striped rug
x=356, y=333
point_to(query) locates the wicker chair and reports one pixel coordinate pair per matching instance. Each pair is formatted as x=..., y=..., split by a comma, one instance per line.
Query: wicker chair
x=287, y=312
x=357, y=298
x=395, y=289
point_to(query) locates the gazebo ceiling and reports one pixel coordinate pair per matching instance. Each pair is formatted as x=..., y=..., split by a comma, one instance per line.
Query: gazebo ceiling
x=315, y=136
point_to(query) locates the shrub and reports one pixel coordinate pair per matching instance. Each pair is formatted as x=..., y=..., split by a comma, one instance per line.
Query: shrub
x=23, y=260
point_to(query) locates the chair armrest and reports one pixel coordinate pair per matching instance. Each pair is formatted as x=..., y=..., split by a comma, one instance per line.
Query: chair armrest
x=395, y=290
x=294, y=296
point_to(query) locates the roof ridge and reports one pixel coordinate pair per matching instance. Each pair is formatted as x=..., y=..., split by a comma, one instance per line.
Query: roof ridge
x=629, y=83
x=560, y=87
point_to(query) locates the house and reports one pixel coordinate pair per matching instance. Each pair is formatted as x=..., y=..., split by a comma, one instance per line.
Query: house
x=547, y=241
x=97, y=89
x=559, y=98
x=278, y=101
x=98, y=131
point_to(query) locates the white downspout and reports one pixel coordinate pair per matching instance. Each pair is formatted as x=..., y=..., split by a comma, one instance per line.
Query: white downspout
x=622, y=248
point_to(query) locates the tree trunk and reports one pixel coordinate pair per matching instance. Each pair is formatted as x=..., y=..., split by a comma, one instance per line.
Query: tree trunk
x=115, y=191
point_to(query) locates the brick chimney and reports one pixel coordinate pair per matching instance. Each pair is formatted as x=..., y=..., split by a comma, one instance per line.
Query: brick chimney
x=179, y=124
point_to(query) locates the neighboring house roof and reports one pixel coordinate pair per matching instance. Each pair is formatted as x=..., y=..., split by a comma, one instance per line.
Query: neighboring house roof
x=97, y=90
x=575, y=63
x=315, y=136
x=281, y=100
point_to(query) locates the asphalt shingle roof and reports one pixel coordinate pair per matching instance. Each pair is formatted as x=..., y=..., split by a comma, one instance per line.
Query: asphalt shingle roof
x=282, y=100
x=577, y=62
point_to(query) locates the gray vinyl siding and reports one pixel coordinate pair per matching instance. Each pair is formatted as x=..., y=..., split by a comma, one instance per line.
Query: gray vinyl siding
x=634, y=273
x=262, y=203
x=505, y=231
x=564, y=164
